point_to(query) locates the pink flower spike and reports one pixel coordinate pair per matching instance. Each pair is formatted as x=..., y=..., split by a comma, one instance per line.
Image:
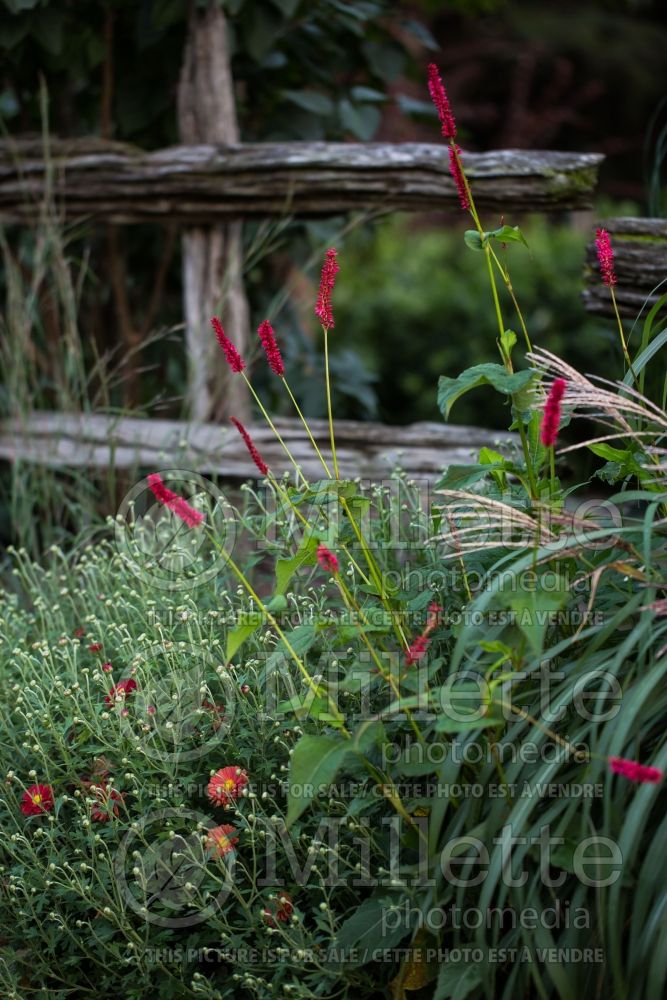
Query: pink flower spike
x=605, y=257
x=439, y=97
x=327, y=559
x=234, y=359
x=250, y=445
x=271, y=349
x=176, y=504
x=551, y=417
x=457, y=174
x=635, y=772
x=323, y=309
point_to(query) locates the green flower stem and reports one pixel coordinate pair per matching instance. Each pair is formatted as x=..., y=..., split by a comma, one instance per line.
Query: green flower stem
x=245, y=583
x=510, y=288
x=352, y=605
x=308, y=431
x=375, y=573
x=275, y=429
x=622, y=335
x=329, y=409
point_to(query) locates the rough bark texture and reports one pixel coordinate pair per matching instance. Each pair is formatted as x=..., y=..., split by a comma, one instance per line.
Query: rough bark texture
x=200, y=184
x=212, y=254
x=364, y=449
x=640, y=262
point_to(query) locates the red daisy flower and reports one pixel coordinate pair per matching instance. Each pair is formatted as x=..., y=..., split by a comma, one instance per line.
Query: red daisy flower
x=105, y=805
x=280, y=908
x=36, y=800
x=220, y=840
x=226, y=785
x=120, y=690
x=95, y=647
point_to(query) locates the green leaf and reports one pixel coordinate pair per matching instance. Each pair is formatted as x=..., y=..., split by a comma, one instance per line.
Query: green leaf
x=306, y=554
x=241, y=631
x=457, y=980
x=287, y=7
x=508, y=383
x=310, y=100
x=473, y=239
x=361, y=120
x=535, y=607
x=368, y=930
x=462, y=477
x=368, y=95
x=507, y=234
x=315, y=761
x=508, y=341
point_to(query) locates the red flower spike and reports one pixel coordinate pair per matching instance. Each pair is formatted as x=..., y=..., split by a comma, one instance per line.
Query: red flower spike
x=457, y=174
x=250, y=445
x=323, y=308
x=36, y=800
x=439, y=97
x=635, y=772
x=605, y=257
x=234, y=359
x=327, y=560
x=551, y=417
x=176, y=504
x=271, y=349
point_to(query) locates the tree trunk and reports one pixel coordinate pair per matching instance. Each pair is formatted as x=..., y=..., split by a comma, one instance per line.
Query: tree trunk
x=212, y=255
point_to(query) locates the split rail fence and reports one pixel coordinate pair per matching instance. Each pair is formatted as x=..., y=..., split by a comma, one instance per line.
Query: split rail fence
x=207, y=186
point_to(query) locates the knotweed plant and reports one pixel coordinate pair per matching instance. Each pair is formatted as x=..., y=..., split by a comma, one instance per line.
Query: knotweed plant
x=351, y=740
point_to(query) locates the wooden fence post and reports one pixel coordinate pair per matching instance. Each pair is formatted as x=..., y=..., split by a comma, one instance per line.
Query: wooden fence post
x=212, y=255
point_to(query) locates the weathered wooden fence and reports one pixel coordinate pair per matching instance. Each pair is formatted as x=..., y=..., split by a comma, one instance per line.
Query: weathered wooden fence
x=209, y=185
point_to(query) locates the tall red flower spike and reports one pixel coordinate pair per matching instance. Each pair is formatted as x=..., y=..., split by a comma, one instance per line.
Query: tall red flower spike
x=234, y=359
x=327, y=559
x=271, y=349
x=551, y=417
x=323, y=308
x=439, y=97
x=457, y=174
x=635, y=772
x=177, y=504
x=605, y=257
x=250, y=445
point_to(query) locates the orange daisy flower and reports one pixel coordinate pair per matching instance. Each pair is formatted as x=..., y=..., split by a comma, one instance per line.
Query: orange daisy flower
x=226, y=785
x=221, y=841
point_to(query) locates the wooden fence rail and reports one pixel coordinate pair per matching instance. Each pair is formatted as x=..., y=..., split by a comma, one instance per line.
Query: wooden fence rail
x=369, y=450
x=204, y=184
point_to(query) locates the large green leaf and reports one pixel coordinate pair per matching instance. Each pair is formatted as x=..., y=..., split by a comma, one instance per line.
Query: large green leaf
x=368, y=931
x=315, y=761
x=241, y=631
x=508, y=383
x=306, y=554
